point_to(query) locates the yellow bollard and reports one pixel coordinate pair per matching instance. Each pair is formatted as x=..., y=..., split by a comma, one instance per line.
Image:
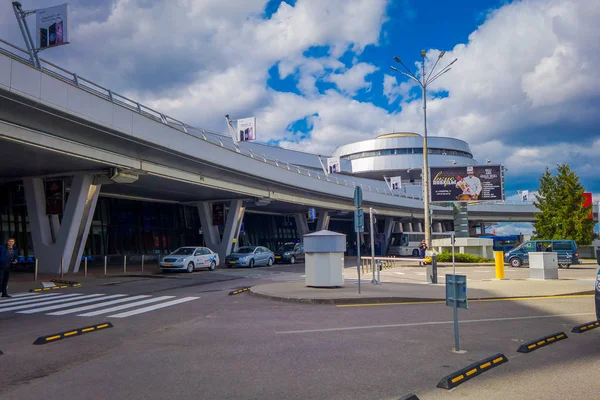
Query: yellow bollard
x=499, y=256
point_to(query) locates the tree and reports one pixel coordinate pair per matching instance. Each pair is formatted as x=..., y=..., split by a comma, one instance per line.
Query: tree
x=560, y=202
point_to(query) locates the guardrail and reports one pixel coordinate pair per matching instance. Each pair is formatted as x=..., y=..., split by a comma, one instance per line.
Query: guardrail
x=366, y=264
x=203, y=134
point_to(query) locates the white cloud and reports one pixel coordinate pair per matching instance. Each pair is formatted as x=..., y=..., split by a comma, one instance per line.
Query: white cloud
x=392, y=89
x=353, y=79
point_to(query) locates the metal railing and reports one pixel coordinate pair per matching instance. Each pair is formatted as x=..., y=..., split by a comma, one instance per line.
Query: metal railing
x=203, y=134
x=384, y=263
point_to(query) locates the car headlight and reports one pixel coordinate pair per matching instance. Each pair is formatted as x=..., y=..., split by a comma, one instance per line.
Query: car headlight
x=287, y=254
x=181, y=259
x=243, y=258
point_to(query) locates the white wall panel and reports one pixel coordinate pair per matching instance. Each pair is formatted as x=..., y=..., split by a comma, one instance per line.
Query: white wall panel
x=26, y=80
x=122, y=118
x=80, y=101
x=147, y=129
x=102, y=110
x=5, y=71
x=54, y=91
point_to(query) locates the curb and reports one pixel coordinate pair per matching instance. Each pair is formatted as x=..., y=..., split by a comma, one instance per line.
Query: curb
x=71, y=333
x=586, y=327
x=385, y=300
x=242, y=290
x=49, y=288
x=543, y=342
x=411, y=396
x=453, y=380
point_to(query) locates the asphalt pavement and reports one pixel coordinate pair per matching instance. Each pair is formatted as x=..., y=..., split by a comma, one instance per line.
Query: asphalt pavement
x=214, y=345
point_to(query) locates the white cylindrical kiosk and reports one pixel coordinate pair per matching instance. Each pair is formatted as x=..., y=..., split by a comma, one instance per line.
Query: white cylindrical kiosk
x=324, y=265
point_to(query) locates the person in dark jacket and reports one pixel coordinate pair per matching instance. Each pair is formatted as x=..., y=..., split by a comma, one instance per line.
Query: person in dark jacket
x=8, y=256
x=422, y=250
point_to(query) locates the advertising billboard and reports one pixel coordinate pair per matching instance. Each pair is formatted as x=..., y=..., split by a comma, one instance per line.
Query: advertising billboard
x=52, y=26
x=333, y=165
x=246, y=128
x=396, y=182
x=467, y=183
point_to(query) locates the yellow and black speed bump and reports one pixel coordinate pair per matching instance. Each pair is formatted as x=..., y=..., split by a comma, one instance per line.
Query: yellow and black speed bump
x=72, y=283
x=409, y=397
x=545, y=341
x=46, y=289
x=470, y=372
x=242, y=290
x=586, y=327
x=74, y=332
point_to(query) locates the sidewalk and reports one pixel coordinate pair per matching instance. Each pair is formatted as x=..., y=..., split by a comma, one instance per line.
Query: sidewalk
x=394, y=292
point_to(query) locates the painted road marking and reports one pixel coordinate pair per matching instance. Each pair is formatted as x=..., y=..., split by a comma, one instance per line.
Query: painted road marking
x=575, y=296
x=154, y=307
x=23, y=300
x=94, y=306
x=63, y=300
x=354, y=328
x=125, y=306
x=75, y=303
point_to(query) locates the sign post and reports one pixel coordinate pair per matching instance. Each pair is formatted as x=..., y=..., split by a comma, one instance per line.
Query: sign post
x=456, y=297
x=359, y=226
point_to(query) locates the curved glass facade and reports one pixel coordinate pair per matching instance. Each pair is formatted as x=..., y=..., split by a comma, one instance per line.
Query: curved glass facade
x=414, y=150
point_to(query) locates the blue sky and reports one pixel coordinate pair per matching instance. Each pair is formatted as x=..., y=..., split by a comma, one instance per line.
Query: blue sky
x=524, y=92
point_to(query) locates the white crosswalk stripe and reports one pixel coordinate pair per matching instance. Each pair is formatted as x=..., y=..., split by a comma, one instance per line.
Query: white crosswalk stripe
x=89, y=305
x=151, y=308
x=93, y=306
x=76, y=303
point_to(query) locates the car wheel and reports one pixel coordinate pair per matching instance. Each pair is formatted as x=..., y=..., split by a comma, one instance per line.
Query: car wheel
x=415, y=253
x=251, y=263
x=270, y=262
x=293, y=260
x=564, y=265
x=190, y=267
x=516, y=262
x=212, y=267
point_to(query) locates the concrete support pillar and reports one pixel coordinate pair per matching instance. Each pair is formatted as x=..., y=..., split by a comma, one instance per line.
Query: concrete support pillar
x=482, y=227
x=437, y=227
x=323, y=222
x=408, y=227
x=301, y=225
x=461, y=220
x=52, y=240
x=419, y=226
x=387, y=230
x=233, y=223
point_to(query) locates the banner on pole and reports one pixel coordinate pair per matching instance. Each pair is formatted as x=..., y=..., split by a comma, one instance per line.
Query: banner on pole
x=52, y=26
x=246, y=128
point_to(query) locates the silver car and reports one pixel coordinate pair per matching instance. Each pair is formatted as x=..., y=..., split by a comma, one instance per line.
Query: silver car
x=190, y=259
x=249, y=256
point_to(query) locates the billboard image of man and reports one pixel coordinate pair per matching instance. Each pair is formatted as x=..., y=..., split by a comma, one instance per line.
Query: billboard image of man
x=470, y=185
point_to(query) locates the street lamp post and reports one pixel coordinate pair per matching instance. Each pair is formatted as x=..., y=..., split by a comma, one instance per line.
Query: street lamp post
x=424, y=82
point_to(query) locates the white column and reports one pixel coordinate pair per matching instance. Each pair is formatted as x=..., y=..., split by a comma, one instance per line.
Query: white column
x=323, y=222
x=233, y=222
x=301, y=225
x=53, y=241
x=389, y=225
x=210, y=232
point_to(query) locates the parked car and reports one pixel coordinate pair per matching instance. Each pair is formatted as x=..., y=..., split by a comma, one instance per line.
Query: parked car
x=190, y=259
x=565, y=249
x=250, y=256
x=290, y=253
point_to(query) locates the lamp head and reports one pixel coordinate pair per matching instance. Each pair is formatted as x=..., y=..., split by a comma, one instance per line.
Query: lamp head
x=423, y=53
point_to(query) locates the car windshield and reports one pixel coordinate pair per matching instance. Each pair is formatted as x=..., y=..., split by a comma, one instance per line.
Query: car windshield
x=183, y=251
x=287, y=247
x=245, y=250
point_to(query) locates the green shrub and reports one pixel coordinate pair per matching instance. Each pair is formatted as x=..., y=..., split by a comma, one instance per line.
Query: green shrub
x=460, y=257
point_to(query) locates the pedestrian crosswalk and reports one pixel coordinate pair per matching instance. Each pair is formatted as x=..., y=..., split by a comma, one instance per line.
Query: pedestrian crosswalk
x=88, y=305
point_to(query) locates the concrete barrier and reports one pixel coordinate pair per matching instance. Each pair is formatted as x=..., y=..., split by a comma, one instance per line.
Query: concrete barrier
x=453, y=380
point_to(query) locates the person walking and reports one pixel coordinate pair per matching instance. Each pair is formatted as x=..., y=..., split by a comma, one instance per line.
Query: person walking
x=422, y=250
x=8, y=256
